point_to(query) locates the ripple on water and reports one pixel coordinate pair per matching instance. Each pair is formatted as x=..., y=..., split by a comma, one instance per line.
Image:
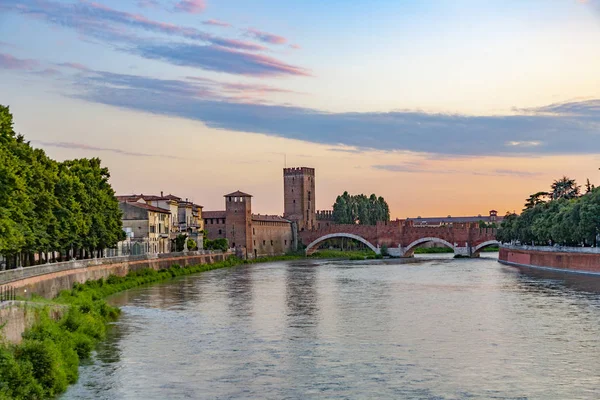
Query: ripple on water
x=430, y=329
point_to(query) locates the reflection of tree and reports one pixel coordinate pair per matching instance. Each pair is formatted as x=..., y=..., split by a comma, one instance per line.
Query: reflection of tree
x=301, y=295
x=557, y=283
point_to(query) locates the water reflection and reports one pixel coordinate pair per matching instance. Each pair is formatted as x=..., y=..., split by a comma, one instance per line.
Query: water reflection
x=429, y=328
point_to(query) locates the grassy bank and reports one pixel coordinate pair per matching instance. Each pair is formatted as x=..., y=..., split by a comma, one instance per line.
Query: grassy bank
x=440, y=250
x=47, y=360
x=346, y=254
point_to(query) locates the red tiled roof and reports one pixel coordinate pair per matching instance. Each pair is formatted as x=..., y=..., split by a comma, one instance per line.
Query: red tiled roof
x=147, y=207
x=213, y=214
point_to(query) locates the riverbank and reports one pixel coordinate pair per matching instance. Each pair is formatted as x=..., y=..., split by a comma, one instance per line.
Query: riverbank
x=581, y=260
x=47, y=360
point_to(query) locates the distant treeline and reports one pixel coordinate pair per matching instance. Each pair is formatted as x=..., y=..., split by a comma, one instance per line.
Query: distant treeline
x=48, y=206
x=562, y=216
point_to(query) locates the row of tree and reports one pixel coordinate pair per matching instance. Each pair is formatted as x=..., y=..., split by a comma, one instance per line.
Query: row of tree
x=360, y=209
x=48, y=206
x=562, y=216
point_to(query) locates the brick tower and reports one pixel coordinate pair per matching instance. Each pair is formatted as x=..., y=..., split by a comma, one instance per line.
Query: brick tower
x=238, y=220
x=299, y=196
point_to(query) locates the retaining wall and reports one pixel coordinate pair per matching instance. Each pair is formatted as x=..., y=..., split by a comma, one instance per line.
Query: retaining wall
x=49, y=279
x=569, y=259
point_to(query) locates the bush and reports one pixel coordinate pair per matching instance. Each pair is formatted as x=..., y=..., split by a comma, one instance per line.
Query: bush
x=46, y=360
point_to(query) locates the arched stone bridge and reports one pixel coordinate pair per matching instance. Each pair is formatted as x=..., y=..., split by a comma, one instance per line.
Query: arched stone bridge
x=402, y=238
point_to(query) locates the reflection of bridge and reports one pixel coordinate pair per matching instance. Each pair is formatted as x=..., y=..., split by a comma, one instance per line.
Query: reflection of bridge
x=402, y=237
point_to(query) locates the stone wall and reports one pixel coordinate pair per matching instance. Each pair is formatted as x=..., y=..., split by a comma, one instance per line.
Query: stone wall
x=49, y=279
x=272, y=238
x=17, y=316
x=572, y=259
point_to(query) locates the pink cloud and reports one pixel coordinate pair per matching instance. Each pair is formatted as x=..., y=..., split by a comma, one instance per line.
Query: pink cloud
x=295, y=46
x=216, y=22
x=265, y=36
x=74, y=65
x=8, y=61
x=191, y=6
x=148, y=4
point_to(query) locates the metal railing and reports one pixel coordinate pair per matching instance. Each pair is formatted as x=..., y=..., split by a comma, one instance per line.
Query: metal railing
x=7, y=293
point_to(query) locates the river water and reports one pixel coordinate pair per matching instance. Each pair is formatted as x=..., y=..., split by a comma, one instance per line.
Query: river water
x=433, y=329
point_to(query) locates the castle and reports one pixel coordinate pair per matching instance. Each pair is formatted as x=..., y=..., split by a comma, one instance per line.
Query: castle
x=255, y=235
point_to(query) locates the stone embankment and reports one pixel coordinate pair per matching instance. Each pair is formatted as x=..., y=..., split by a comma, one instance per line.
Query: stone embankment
x=49, y=279
x=584, y=260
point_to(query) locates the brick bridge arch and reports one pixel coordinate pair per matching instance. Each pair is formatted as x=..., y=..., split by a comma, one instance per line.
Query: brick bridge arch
x=410, y=249
x=483, y=245
x=312, y=247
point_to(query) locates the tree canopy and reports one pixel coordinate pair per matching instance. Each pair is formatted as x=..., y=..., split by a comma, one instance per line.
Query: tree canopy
x=50, y=206
x=567, y=219
x=360, y=209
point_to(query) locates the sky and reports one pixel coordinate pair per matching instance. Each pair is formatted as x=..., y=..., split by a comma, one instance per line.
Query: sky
x=443, y=107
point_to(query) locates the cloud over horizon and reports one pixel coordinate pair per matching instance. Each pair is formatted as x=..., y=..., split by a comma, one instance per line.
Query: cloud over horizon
x=443, y=134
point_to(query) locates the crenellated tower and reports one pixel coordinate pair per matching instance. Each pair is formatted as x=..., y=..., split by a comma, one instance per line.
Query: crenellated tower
x=299, y=196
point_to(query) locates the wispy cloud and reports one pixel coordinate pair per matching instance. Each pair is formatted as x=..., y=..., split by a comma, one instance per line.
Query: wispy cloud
x=423, y=168
x=82, y=146
x=103, y=22
x=216, y=22
x=120, y=29
x=74, y=65
x=217, y=58
x=190, y=6
x=148, y=4
x=443, y=134
x=7, y=61
x=265, y=36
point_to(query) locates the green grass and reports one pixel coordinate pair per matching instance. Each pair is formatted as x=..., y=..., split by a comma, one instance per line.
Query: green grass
x=346, y=254
x=433, y=250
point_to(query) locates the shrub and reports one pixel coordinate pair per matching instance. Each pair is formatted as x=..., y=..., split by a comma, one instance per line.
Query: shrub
x=46, y=360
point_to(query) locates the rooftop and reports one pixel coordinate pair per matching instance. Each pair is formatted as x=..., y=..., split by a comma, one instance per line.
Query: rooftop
x=147, y=207
x=237, y=193
x=213, y=214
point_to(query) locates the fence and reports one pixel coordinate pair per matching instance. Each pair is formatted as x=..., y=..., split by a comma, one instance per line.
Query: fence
x=7, y=293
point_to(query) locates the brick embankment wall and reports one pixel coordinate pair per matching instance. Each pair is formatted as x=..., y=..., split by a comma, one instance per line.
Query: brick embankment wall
x=49, y=279
x=576, y=259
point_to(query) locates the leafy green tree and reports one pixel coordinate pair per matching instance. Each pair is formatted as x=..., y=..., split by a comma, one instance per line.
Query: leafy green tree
x=360, y=209
x=565, y=188
x=48, y=207
x=535, y=199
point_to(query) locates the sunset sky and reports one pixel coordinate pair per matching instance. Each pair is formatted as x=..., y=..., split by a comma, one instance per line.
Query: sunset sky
x=444, y=107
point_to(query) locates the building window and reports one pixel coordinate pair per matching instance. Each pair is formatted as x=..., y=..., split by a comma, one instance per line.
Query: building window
x=264, y=242
x=255, y=242
x=294, y=201
x=286, y=242
x=309, y=195
x=241, y=199
x=229, y=198
x=271, y=243
x=253, y=231
x=220, y=231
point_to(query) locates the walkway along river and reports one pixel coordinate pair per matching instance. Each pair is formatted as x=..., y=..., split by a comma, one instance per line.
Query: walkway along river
x=439, y=328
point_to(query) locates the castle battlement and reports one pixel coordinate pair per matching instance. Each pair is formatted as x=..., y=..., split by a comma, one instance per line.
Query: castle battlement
x=299, y=171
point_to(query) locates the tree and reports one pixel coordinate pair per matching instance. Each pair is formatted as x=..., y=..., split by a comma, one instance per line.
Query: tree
x=47, y=206
x=360, y=209
x=565, y=188
x=536, y=199
x=588, y=186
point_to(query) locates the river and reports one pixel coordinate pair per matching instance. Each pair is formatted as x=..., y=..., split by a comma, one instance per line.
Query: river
x=433, y=329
